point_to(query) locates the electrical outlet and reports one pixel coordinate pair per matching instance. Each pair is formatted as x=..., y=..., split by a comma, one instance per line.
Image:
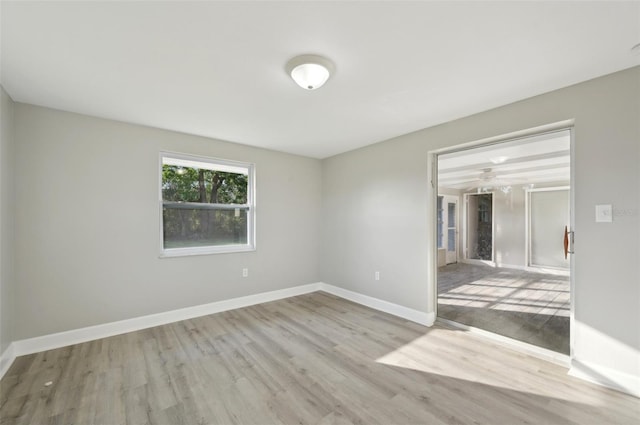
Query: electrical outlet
x=377, y=276
x=245, y=272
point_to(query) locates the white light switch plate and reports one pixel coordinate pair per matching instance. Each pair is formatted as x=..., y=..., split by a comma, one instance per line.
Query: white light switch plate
x=604, y=213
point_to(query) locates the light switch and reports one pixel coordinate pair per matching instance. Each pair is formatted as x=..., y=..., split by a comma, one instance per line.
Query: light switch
x=604, y=213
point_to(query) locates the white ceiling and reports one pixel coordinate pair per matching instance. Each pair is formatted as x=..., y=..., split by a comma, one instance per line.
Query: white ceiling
x=538, y=160
x=216, y=69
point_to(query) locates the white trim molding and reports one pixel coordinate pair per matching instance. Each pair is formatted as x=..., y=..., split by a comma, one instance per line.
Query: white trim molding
x=600, y=375
x=215, y=164
x=90, y=333
x=423, y=318
x=593, y=373
x=7, y=358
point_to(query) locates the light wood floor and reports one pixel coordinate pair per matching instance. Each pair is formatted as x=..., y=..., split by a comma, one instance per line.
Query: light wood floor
x=527, y=306
x=312, y=359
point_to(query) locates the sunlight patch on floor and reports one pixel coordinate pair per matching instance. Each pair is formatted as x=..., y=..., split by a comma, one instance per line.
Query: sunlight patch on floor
x=529, y=300
x=435, y=354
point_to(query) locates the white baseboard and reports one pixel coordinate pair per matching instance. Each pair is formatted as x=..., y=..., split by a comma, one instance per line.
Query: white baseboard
x=509, y=266
x=606, y=377
x=7, y=358
x=545, y=270
x=593, y=373
x=420, y=317
x=477, y=262
x=90, y=333
x=548, y=270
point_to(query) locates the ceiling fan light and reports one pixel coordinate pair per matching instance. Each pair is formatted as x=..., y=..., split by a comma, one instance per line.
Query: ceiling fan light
x=309, y=71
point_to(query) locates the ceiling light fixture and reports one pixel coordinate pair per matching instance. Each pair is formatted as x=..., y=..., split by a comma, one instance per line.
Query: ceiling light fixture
x=499, y=159
x=310, y=71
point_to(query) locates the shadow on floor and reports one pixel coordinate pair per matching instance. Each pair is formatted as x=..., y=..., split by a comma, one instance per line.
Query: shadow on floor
x=550, y=332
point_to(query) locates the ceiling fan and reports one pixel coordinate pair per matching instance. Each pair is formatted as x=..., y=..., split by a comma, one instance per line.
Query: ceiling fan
x=489, y=180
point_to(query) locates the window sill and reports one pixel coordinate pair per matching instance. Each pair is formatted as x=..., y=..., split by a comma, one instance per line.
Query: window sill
x=187, y=252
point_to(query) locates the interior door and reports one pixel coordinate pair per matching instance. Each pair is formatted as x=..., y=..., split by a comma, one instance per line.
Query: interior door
x=447, y=215
x=548, y=218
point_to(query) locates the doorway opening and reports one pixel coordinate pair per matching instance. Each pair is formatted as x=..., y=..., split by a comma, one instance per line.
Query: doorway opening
x=507, y=205
x=479, y=229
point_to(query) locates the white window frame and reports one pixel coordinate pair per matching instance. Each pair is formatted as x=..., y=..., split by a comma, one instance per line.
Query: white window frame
x=216, y=164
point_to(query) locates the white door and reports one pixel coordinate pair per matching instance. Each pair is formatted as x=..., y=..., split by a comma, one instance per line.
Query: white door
x=548, y=218
x=447, y=229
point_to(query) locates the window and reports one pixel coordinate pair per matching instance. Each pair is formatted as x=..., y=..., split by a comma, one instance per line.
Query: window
x=206, y=205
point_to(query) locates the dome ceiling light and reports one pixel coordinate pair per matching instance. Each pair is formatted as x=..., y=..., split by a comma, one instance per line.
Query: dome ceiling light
x=310, y=71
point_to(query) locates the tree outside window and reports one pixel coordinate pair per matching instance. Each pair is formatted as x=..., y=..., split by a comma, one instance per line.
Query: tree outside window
x=207, y=205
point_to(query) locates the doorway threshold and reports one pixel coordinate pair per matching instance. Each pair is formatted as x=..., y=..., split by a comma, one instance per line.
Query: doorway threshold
x=513, y=344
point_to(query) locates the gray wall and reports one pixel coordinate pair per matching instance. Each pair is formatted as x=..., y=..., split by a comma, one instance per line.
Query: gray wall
x=374, y=213
x=6, y=220
x=86, y=244
x=88, y=225
x=376, y=204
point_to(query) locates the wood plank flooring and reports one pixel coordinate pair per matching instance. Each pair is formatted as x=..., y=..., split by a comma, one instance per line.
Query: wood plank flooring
x=527, y=306
x=311, y=359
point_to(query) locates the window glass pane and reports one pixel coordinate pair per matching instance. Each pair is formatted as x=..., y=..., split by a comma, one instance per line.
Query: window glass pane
x=195, y=227
x=206, y=203
x=185, y=184
x=440, y=221
x=451, y=240
x=451, y=217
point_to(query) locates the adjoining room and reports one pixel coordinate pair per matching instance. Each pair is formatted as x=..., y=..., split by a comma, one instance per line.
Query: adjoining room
x=503, y=216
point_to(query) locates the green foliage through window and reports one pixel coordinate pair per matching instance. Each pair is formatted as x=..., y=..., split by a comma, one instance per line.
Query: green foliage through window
x=204, y=207
x=185, y=184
